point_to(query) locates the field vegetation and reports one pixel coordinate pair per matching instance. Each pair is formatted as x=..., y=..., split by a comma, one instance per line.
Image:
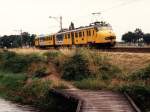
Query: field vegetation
x=24, y=78
x=128, y=73
x=28, y=77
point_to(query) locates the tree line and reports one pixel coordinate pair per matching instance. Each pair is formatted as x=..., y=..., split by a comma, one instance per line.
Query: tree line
x=14, y=41
x=138, y=36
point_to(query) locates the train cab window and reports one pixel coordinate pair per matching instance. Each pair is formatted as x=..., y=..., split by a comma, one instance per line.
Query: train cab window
x=59, y=37
x=80, y=34
x=76, y=34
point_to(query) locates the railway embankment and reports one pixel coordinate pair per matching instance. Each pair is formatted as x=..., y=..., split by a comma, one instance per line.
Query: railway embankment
x=28, y=77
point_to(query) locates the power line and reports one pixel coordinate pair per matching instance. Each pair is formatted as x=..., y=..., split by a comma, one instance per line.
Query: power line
x=125, y=3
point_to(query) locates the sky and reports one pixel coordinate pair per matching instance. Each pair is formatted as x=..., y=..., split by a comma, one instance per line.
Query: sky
x=33, y=15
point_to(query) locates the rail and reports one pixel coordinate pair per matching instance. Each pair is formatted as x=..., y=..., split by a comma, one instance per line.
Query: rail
x=132, y=102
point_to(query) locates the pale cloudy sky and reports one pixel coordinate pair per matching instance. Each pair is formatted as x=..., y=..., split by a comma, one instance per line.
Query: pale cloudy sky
x=32, y=15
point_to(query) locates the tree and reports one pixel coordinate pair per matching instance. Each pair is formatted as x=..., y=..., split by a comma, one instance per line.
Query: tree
x=14, y=41
x=138, y=34
x=146, y=38
x=129, y=37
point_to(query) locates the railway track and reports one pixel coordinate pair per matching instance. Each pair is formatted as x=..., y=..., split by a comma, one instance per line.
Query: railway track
x=99, y=101
x=114, y=49
x=127, y=49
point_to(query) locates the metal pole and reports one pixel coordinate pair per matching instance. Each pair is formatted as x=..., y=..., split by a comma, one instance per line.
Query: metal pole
x=61, y=23
x=21, y=36
x=59, y=19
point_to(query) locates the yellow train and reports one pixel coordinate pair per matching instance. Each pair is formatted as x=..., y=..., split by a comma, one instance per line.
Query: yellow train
x=98, y=34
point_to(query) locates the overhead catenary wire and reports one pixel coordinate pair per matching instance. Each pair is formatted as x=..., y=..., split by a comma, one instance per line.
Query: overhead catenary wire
x=122, y=3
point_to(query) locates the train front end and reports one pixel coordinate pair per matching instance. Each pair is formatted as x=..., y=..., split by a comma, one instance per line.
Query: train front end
x=105, y=35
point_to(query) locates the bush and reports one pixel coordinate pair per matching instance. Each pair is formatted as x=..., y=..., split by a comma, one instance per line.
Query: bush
x=17, y=63
x=41, y=72
x=140, y=94
x=35, y=90
x=75, y=68
x=85, y=64
x=52, y=54
x=10, y=83
x=143, y=74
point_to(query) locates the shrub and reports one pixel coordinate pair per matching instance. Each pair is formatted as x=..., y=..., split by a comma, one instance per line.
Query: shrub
x=140, y=94
x=86, y=63
x=75, y=68
x=35, y=90
x=143, y=74
x=11, y=82
x=52, y=54
x=17, y=63
x=41, y=72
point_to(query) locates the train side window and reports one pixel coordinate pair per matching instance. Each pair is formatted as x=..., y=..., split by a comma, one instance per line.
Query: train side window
x=83, y=33
x=93, y=32
x=68, y=35
x=72, y=34
x=80, y=34
x=65, y=36
x=76, y=34
x=89, y=32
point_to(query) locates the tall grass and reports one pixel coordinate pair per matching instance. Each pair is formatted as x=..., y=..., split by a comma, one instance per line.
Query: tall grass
x=84, y=64
x=16, y=63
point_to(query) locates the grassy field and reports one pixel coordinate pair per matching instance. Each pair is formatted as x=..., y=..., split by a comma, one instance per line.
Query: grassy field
x=129, y=62
x=84, y=69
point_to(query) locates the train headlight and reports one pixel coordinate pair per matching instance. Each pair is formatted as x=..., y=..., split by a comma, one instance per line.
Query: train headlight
x=110, y=38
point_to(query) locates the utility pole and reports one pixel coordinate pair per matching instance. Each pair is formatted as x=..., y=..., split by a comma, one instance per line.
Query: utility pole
x=20, y=31
x=58, y=19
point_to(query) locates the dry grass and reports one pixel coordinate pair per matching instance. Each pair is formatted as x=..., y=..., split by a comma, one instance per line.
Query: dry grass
x=128, y=62
x=27, y=50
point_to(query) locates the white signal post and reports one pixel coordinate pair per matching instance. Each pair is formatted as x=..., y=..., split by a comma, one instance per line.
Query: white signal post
x=58, y=19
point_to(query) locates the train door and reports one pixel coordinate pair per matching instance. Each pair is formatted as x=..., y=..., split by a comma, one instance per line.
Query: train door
x=72, y=37
x=59, y=39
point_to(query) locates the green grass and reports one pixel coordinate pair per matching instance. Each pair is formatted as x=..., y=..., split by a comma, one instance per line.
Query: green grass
x=92, y=84
x=11, y=83
x=17, y=63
